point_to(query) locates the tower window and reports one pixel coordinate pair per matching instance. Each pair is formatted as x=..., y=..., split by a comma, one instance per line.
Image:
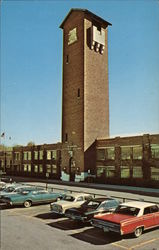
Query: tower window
x=78, y=93
x=66, y=137
x=67, y=59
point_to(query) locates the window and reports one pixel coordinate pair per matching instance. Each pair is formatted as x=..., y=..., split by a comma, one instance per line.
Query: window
x=78, y=93
x=101, y=171
x=27, y=155
x=36, y=168
x=66, y=137
x=40, y=168
x=137, y=172
x=110, y=153
x=110, y=171
x=137, y=152
x=67, y=59
x=125, y=153
x=80, y=198
x=48, y=168
x=51, y=154
x=125, y=171
x=17, y=156
x=27, y=167
x=155, y=151
x=40, y=155
x=100, y=154
x=36, y=155
x=54, y=169
x=155, y=173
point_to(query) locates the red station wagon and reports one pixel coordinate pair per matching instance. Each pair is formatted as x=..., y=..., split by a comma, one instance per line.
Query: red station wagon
x=131, y=217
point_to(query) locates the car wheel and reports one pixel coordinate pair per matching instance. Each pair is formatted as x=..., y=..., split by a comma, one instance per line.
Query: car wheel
x=27, y=204
x=138, y=232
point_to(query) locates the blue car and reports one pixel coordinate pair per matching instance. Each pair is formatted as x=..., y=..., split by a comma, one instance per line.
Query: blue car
x=30, y=196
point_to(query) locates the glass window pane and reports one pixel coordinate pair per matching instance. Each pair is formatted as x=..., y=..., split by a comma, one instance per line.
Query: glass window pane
x=125, y=153
x=110, y=153
x=54, y=169
x=137, y=172
x=40, y=155
x=137, y=152
x=36, y=155
x=155, y=150
x=29, y=155
x=100, y=154
x=40, y=168
x=125, y=171
x=48, y=168
x=36, y=168
x=110, y=171
x=155, y=173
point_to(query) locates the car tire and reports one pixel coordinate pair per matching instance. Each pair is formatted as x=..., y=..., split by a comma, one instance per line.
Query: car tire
x=138, y=232
x=27, y=204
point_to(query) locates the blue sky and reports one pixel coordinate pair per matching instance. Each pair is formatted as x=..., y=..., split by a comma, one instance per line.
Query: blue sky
x=31, y=67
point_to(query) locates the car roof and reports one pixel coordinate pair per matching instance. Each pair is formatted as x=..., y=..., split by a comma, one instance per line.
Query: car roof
x=138, y=204
x=77, y=194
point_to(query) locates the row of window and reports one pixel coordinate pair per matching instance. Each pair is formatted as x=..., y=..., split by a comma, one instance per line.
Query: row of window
x=38, y=155
x=125, y=172
x=50, y=168
x=133, y=152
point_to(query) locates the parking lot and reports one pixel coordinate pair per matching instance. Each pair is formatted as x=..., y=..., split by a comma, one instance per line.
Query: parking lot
x=36, y=228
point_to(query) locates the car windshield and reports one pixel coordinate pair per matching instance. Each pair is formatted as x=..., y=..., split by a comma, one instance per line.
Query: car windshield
x=68, y=198
x=127, y=210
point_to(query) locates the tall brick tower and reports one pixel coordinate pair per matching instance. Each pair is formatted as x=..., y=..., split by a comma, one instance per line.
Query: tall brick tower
x=85, y=103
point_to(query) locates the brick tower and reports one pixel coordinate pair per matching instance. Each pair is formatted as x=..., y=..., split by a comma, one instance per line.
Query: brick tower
x=85, y=100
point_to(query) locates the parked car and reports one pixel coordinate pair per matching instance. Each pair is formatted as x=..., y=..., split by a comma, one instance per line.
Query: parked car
x=2, y=185
x=30, y=196
x=13, y=188
x=69, y=201
x=90, y=208
x=131, y=217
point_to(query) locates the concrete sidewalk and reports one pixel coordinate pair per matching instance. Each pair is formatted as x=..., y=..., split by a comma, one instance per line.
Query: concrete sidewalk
x=134, y=190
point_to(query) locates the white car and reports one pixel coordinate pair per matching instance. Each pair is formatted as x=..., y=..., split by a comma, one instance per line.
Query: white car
x=69, y=201
x=2, y=184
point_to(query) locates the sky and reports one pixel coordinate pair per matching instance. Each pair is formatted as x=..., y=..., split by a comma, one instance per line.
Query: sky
x=31, y=67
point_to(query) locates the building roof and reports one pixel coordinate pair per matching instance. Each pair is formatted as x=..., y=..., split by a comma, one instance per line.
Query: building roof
x=95, y=17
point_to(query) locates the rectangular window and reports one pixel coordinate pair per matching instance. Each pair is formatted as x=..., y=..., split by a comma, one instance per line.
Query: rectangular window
x=35, y=155
x=51, y=154
x=36, y=168
x=100, y=154
x=40, y=154
x=110, y=171
x=137, y=172
x=48, y=168
x=17, y=156
x=67, y=59
x=125, y=153
x=29, y=155
x=54, y=169
x=40, y=168
x=66, y=137
x=25, y=155
x=78, y=93
x=137, y=152
x=100, y=171
x=155, y=151
x=27, y=167
x=110, y=153
x=155, y=173
x=125, y=171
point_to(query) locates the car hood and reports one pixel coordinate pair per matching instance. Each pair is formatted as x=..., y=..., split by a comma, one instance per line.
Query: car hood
x=116, y=218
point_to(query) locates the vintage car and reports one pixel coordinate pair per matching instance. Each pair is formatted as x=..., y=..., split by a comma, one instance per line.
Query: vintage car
x=90, y=208
x=30, y=196
x=69, y=201
x=131, y=217
x=13, y=188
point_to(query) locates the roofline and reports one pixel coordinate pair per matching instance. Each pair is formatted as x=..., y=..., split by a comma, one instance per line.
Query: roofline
x=87, y=12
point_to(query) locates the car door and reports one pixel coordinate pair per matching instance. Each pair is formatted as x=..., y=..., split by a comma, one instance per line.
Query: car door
x=155, y=211
x=148, y=217
x=36, y=197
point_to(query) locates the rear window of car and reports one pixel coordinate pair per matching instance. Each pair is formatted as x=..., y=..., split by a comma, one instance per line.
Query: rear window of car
x=127, y=210
x=68, y=198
